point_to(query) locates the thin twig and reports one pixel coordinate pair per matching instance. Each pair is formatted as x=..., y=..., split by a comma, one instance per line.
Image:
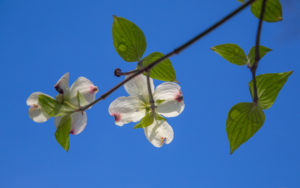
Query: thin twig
x=118, y=72
x=174, y=52
x=151, y=100
x=257, y=55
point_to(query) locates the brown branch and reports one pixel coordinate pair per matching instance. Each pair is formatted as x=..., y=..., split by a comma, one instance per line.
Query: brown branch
x=257, y=55
x=118, y=72
x=174, y=52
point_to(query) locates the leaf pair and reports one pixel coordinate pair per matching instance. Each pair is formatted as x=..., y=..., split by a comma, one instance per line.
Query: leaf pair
x=273, y=10
x=245, y=119
x=130, y=43
x=236, y=55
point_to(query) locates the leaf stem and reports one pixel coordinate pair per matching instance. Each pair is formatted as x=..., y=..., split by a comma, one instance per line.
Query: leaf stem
x=257, y=55
x=174, y=52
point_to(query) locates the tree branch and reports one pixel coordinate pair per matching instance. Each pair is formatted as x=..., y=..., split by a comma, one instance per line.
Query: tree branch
x=257, y=55
x=118, y=72
x=174, y=52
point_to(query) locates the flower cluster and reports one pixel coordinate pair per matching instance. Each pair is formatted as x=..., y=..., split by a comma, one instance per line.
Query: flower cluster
x=82, y=86
x=168, y=103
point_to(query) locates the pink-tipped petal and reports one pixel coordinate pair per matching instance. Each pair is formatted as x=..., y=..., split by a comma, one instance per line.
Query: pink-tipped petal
x=179, y=97
x=93, y=89
x=86, y=88
x=35, y=112
x=62, y=85
x=117, y=117
x=126, y=110
x=159, y=133
x=172, y=99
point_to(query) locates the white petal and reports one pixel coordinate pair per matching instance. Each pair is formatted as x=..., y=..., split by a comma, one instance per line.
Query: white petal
x=172, y=98
x=37, y=114
x=159, y=133
x=138, y=87
x=127, y=109
x=86, y=88
x=35, y=111
x=33, y=99
x=167, y=91
x=170, y=108
x=62, y=85
x=78, y=122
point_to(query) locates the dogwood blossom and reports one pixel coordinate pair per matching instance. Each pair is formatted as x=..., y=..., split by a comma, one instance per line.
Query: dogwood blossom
x=81, y=86
x=168, y=103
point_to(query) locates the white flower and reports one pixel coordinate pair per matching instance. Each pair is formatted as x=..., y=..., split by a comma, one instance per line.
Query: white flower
x=168, y=101
x=78, y=119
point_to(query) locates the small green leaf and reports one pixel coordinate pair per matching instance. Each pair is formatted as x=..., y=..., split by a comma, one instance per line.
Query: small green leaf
x=243, y=121
x=163, y=71
x=63, y=131
x=242, y=1
x=53, y=108
x=262, y=52
x=268, y=87
x=159, y=117
x=232, y=53
x=273, y=11
x=146, y=121
x=129, y=40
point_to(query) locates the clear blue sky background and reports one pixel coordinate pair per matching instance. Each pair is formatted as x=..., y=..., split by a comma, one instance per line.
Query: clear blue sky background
x=41, y=40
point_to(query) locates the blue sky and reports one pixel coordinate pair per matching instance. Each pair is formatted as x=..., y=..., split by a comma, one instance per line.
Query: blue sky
x=41, y=40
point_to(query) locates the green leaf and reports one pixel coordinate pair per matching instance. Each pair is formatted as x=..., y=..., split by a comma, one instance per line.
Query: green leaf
x=146, y=121
x=163, y=71
x=268, y=87
x=243, y=121
x=54, y=108
x=262, y=52
x=63, y=131
x=232, y=53
x=242, y=1
x=273, y=11
x=129, y=40
x=159, y=117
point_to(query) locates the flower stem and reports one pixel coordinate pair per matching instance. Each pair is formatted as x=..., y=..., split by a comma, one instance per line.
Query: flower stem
x=174, y=52
x=151, y=100
x=257, y=55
